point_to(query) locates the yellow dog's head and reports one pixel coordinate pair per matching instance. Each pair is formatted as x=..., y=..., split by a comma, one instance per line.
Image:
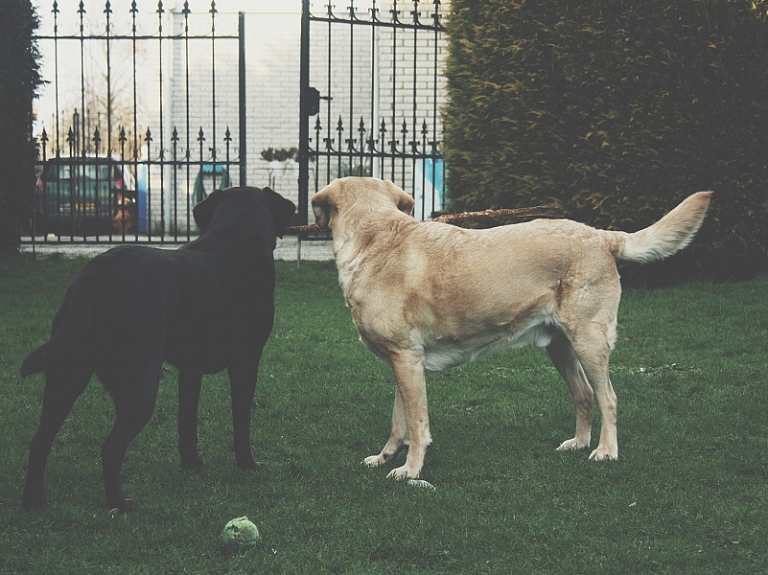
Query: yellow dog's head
x=342, y=198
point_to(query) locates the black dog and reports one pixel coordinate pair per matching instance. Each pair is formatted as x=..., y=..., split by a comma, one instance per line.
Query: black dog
x=206, y=306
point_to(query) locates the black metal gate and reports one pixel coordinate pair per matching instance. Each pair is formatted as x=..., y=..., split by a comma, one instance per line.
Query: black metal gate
x=135, y=129
x=371, y=87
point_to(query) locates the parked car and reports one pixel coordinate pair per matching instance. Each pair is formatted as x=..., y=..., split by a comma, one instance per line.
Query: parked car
x=85, y=196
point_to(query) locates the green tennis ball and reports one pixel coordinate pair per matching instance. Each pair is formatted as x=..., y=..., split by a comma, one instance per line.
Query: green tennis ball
x=240, y=532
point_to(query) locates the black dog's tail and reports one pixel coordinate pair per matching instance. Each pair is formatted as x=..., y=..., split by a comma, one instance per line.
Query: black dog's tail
x=70, y=327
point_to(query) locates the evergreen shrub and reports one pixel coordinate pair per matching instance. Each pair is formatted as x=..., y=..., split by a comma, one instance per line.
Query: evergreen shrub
x=19, y=80
x=616, y=111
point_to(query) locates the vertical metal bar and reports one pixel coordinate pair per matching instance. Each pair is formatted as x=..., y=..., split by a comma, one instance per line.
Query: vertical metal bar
x=35, y=199
x=188, y=151
x=123, y=139
x=350, y=126
x=213, y=90
x=136, y=137
x=227, y=143
x=423, y=160
x=148, y=214
x=382, y=148
x=339, y=133
x=77, y=202
x=175, y=172
x=69, y=192
x=436, y=23
x=56, y=76
x=317, y=155
x=414, y=142
x=403, y=150
x=304, y=116
x=329, y=92
x=199, y=178
x=241, y=100
x=374, y=94
x=108, y=11
x=108, y=152
x=96, y=193
x=161, y=97
x=47, y=216
x=393, y=149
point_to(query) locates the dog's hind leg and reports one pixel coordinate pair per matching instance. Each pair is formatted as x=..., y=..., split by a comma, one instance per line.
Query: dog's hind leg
x=593, y=348
x=242, y=380
x=408, y=367
x=63, y=386
x=134, y=403
x=564, y=358
x=398, y=439
x=189, y=395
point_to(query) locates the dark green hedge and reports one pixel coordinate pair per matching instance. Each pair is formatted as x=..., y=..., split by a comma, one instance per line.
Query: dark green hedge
x=19, y=80
x=616, y=111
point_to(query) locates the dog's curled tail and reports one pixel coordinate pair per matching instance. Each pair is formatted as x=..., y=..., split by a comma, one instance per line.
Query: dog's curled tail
x=70, y=327
x=669, y=235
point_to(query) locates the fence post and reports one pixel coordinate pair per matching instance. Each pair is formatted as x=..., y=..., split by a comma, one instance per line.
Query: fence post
x=241, y=97
x=304, y=116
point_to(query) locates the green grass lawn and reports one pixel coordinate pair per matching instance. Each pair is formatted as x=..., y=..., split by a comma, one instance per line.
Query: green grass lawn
x=689, y=493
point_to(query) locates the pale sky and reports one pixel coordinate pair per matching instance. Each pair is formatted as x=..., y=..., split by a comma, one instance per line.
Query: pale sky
x=69, y=62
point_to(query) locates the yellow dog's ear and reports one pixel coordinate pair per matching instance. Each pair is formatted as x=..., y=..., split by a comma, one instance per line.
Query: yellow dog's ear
x=321, y=207
x=403, y=201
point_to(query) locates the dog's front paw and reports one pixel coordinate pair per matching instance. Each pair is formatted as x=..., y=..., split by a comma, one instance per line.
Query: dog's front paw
x=573, y=444
x=374, y=460
x=404, y=472
x=604, y=454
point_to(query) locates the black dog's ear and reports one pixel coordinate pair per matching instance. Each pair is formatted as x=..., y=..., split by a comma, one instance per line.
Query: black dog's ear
x=203, y=210
x=282, y=210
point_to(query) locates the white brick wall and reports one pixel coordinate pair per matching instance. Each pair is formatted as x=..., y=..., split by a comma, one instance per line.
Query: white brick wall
x=272, y=82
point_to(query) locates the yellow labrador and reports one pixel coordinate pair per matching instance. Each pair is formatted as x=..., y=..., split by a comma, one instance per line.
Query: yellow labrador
x=428, y=296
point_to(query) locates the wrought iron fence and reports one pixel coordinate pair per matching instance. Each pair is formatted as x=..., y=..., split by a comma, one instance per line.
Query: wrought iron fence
x=372, y=87
x=145, y=110
x=139, y=129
